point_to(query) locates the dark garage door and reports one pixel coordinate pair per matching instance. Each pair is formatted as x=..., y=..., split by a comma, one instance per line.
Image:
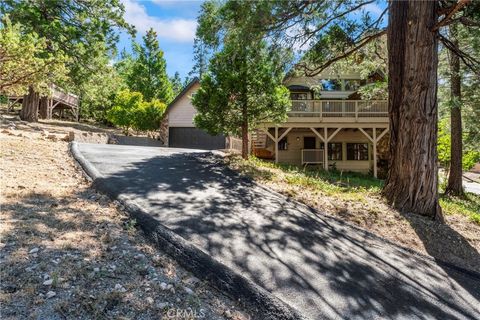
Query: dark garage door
x=194, y=138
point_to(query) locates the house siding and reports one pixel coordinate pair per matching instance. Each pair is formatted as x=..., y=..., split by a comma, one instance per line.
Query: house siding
x=183, y=112
x=293, y=154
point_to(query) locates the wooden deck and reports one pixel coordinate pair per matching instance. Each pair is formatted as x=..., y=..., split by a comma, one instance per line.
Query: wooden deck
x=57, y=102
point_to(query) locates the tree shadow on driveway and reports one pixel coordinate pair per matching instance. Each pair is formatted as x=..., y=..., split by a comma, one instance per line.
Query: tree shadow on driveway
x=322, y=267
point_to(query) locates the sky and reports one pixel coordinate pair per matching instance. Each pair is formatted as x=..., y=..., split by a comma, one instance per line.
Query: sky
x=175, y=23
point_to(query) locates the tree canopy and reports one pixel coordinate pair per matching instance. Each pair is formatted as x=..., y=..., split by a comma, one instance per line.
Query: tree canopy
x=25, y=61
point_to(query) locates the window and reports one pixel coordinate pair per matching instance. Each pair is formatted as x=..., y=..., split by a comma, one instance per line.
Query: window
x=298, y=96
x=282, y=144
x=331, y=84
x=357, y=151
x=335, y=151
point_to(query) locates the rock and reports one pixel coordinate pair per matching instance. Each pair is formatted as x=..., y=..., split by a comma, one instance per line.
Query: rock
x=48, y=282
x=188, y=290
x=192, y=280
x=163, y=286
x=178, y=300
x=162, y=305
x=96, y=269
x=51, y=294
x=34, y=250
x=150, y=300
x=120, y=288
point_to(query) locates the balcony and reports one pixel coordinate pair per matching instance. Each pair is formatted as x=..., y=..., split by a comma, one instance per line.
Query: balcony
x=338, y=111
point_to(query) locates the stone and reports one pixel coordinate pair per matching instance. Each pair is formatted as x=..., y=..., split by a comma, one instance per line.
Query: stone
x=34, y=250
x=162, y=305
x=51, y=294
x=188, y=290
x=48, y=282
x=150, y=300
x=163, y=286
x=96, y=269
x=120, y=288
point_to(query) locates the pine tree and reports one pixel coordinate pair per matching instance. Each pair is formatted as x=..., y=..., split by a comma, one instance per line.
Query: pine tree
x=148, y=73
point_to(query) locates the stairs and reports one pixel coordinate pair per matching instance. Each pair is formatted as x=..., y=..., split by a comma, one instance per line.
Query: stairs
x=259, y=139
x=259, y=144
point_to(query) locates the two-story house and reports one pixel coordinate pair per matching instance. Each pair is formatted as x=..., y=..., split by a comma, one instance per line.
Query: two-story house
x=328, y=125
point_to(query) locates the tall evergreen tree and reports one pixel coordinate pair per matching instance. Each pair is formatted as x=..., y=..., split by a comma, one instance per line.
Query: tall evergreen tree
x=200, y=56
x=148, y=74
x=79, y=30
x=177, y=85
x=243, y=83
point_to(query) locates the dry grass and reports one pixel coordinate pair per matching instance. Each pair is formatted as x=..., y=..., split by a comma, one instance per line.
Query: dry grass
x=356, y=198
x=89, y=253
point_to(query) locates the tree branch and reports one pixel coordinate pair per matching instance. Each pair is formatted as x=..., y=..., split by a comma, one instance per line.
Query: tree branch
x=447, y=19
x=309, y=72
x=469, y=61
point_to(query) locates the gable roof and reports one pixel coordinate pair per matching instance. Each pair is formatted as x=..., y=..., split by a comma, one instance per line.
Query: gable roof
x=181, y=94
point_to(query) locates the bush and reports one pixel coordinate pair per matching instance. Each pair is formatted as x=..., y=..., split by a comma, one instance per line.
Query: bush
x=129, y=111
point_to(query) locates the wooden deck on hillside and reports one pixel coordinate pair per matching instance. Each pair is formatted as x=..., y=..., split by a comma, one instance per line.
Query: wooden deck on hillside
x=57, y=102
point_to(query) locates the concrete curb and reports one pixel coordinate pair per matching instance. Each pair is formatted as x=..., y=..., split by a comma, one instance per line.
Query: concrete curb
x=252, y=296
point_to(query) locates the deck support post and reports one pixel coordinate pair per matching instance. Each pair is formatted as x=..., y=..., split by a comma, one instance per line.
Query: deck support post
x=375, y=152
x=374, y=140
x=276, y=144
x=325, y=148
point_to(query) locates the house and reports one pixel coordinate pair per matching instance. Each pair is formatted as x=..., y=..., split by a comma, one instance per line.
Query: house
x=178, y=129
x=328, y=126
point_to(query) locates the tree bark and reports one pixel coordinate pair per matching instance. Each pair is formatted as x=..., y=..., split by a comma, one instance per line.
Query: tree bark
x=454, y=186
x=412, y=179
x=244, y=133
x=30, y=103
x=43, y=108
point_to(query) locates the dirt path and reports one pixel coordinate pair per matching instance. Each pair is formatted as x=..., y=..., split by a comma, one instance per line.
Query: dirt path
x=69, y=253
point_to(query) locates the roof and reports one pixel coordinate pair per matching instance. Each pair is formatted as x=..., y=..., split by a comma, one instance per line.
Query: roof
x=181, y=94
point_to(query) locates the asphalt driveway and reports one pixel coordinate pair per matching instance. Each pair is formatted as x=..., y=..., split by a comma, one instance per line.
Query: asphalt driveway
x=323, y=268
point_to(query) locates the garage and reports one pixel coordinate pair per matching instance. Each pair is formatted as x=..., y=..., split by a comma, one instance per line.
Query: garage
x=190, y=137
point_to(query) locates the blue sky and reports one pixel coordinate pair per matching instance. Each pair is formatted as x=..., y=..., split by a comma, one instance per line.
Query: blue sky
x=175, y=23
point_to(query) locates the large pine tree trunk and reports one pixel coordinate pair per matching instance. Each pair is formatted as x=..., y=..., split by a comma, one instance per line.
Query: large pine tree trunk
x=43, y=108
x=454, y=186
x=412, y=180
x=30, y=103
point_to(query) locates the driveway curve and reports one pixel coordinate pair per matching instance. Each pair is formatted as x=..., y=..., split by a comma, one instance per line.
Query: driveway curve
x=323, y=268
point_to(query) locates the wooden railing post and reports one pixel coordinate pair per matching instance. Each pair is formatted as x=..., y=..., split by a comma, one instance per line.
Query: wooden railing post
x=356, y=110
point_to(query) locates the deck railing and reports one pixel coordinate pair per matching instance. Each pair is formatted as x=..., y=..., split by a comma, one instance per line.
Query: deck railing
x=312, y=156
x=339, y=108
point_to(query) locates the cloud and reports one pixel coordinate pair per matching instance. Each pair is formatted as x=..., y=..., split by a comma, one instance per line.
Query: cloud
x=374, y=9
x=179, y=30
